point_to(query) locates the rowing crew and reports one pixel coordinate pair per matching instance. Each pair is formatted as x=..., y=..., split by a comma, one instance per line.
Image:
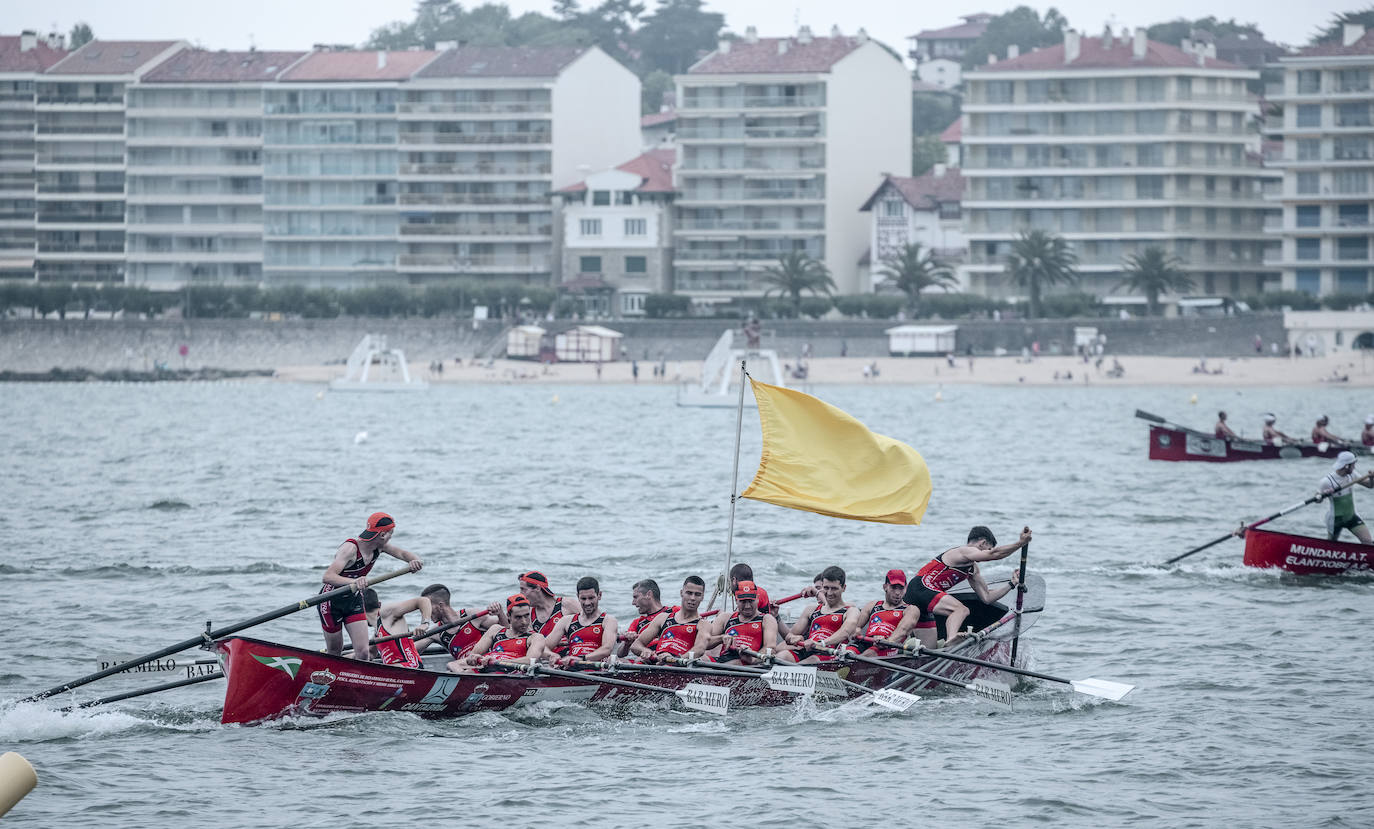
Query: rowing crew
x=536, y=624
x=1272, y=435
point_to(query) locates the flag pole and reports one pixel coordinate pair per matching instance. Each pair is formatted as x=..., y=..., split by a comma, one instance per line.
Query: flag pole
x=734, y=485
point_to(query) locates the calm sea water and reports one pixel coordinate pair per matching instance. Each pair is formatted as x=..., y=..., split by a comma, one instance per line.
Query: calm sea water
x=136, y=513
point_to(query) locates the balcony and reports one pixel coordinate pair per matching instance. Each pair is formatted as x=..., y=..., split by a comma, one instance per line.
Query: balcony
x=725, y=282
x=478, y=107
x=473, y=229
x=83, y=129
x=735, y=255
x=81, y=100
x=471, y=198
x=783, y=101
x=329, y=109
x=469, y=263
x=689, y=225
x=51, y=247
x=484, y=138
x=476, y=169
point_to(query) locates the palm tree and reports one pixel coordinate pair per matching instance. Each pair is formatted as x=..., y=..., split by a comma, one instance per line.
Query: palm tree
x=913, y=269
x=797, y=272
x=1152, y=272
x=1039, y=259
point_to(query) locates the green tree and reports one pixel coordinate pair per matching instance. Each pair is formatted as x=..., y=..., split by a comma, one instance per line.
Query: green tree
x=673, y=36
x=1152, y=272
x=796, y=272
x=80, y=35
x=1021, y=26
x=933, y=112
x=926, y=152
x=1333, y=31
x=1039, y=260
x=1174, y=32
x=652, y=89
x=915, y=268
x=53, y=296
x=658, y=306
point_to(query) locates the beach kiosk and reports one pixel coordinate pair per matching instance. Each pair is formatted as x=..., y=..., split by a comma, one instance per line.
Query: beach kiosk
x=921, y=340
x=588, y=344
x=523, y=342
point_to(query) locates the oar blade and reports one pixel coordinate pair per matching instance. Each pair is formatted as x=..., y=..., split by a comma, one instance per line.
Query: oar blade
x=794, y=679
x=1153, y=418
x=830, y=685
x=894, y=699
x=712, y=699
x=997, y=692
x=1103, y=688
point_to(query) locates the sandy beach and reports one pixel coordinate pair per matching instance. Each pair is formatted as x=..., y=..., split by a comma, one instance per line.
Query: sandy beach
x=1003, y=371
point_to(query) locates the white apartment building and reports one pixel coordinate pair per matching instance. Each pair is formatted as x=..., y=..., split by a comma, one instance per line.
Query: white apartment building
x=923, y=210
x=1326, y=159
x=1116, y=143
x=22, y=59
x=80, y=158
x=195, y=168
x=613, y=233
x=779, y=139
x=486, y=134
x=939, y=52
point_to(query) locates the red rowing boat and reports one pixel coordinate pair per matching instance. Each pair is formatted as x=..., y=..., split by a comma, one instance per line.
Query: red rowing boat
x=268, y=681
x=1306, y=555
x=1178, y=443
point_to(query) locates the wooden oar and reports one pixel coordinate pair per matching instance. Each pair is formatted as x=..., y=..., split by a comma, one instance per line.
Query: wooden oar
x=166, y=686
x=1105, y=688
x=712, y=698
x=211, y=635
x=995, y=691
x=1314, y=499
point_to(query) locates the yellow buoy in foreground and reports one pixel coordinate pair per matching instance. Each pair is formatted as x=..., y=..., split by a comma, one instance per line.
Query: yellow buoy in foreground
x=555, y=398
x=17, y=778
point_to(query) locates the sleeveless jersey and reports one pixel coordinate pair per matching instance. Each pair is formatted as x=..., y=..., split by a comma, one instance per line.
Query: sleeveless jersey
x=358, y=567
x=883, y=621
x=461, y=641
x=677, y=638
x=825, y=623
x=583, y=639
x=640, y=621
x=1317, y=435
x=546, y=625
x=1340, y=507
x=747, y=635
x=508, y=646
x=1367, y=438
x=940, y=577
x=398, y=651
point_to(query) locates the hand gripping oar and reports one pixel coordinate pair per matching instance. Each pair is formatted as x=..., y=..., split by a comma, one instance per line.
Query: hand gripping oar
x=461, y=620
x=889, y=698
x=1105, y=688
x=1314, y=499
x=210, y=635
x=995, y=691
x=711, y=698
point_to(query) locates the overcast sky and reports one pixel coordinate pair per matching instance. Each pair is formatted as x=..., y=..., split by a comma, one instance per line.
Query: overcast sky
x=297, y=24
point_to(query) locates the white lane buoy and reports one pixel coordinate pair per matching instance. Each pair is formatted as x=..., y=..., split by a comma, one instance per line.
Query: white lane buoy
x=361, y=437
x=1193, y=400
x=939, y=396
x=555, y=399
x=319, y=395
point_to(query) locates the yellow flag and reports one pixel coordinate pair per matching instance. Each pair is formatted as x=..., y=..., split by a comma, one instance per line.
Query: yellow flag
x=820, y=459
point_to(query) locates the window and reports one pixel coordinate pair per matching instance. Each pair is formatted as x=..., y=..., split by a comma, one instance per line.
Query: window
x=1309, y=115
x=590, y=227
x=1309, y=183
x=999, y=92
x=636, y=227
x=999, y=156
x=1352, y=281
x=1352, y=215
x=1308, y=215
x=1149, y=89
x=1149, y=155
x=1309, y=149
x=1309, y=81
x=1350, y=181
x=893, y=208
x=1356, y=247
x=1308, y=280
x=1309, y=249
x=632, y=303
x=1149, y=218
x=636, y=264
x=601, y=198
x=1149, y=187
x=1150, y=123
x=589, y=264
x=1352, y=80
x=1352, y=115
x=1348, y=148
x=1109, y=90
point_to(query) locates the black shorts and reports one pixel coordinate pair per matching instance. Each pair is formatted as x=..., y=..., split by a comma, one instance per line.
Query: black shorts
x=337, y=612
x=1348, y=524
x=919, y=595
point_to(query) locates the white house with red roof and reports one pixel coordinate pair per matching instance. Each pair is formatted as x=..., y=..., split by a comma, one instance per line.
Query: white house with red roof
x=23, y=58
x=1117, y=143
x=922, y=210
x=779, y=138
x=613, y=235
x=1325, y=232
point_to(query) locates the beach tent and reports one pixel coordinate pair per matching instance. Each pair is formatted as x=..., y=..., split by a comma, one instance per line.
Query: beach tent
x=522, y=342
x=588, y=344
x=920, y=339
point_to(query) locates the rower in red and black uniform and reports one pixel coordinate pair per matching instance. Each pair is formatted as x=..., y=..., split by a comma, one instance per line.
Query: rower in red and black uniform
x=882, y=616
x=517, y=642
x=390, y=619
x=589, y=635
x=457, y=641
x=352, y=562
x=534, y=586
x=830, y=624
x=679, y=633
x=927, y=590
x=745, y=629
x=646, y=598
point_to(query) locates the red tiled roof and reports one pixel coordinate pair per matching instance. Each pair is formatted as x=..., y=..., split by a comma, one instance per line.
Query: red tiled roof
x=358, y=66
x=954, y=133
x=111, y=57
x=762, y=55
x=1363, y=46
x=37, y=59
x=654, y=168
x=656, y=118
x=972, y=29
x=204, y=65
x=502, y=62
x=1094, y=55
x=923, y=192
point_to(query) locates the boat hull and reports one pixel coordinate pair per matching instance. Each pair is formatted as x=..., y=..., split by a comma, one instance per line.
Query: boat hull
x=1306, y=555
x=1172, y=444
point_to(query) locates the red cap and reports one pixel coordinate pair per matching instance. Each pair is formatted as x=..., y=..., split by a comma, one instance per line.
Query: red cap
x=512, y=602
x=537, y=579
x=377, y=523
x=895, y=577
x=746, y=590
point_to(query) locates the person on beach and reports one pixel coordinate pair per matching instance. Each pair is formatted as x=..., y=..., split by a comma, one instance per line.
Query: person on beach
x=390, y=619
x=1320, y=434
x=1221, y=430
x=1337, y=488
x=352, y=562
x=1271, y=433
x=928, y=590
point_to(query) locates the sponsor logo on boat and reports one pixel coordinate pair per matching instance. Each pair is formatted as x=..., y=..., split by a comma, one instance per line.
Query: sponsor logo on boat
x=288, y=665
x=703, y=695
x=1300, y=555
x=439, y=692
x=318, y=685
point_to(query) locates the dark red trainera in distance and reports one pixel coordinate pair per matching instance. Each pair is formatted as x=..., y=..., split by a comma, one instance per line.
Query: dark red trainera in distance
x=1306, y=555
